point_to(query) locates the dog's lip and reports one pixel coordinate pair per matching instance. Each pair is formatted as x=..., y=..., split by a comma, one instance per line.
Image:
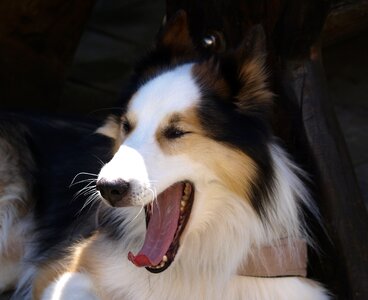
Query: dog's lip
x=159, y=251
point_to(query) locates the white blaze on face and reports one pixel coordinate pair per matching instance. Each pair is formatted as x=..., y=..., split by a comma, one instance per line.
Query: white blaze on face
x=140, y=158
x=170, y=92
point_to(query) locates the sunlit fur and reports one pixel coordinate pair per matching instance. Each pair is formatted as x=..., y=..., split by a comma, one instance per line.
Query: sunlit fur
x=15, y=204
x=225, y=227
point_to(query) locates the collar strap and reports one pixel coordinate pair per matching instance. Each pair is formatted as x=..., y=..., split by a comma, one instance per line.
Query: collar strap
x=288, y=257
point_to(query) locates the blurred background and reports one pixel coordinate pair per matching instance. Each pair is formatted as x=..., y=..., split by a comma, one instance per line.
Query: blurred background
x=116, y=35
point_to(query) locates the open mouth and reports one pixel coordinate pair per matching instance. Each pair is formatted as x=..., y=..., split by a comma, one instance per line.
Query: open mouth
x=166, y=218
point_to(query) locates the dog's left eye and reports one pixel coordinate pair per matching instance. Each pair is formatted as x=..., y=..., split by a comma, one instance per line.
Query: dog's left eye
x=174, y=133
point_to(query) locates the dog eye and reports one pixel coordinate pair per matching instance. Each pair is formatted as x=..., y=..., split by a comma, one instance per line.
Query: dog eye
x=126, y=126
x=174, y=133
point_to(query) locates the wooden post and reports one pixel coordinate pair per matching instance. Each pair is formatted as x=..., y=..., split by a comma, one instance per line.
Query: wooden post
x=304, y=119
x=346, y=18
x=37, y=42
x=344, y=258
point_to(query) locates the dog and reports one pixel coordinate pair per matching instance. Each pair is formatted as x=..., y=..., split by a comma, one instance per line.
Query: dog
x=200, y=200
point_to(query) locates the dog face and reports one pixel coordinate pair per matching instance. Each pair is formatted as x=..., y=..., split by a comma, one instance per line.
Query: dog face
x=163, y=141
x=154, y=133
x=193, y=129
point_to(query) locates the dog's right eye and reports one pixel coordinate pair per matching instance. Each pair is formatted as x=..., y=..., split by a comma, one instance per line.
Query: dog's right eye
x=172, y=133
x=126, y=126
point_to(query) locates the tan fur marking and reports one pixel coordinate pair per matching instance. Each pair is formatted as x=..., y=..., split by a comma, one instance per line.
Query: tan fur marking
x=255, y=90
x=50, y=272
x=131, y=117
x=14, y=248
x=111, y=128
x=83, y=256
x=120, y=136
x=234, y=168
x=46, y=275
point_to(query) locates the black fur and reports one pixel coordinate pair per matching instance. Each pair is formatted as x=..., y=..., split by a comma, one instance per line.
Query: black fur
x=249, y=133
x=61, y=148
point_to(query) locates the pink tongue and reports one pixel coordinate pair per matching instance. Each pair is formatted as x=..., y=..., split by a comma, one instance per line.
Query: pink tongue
x=161, y=228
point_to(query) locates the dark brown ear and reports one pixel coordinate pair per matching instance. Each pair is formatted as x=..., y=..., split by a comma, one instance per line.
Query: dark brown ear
x=252, y=74
x=254, y=42
x=175, y=35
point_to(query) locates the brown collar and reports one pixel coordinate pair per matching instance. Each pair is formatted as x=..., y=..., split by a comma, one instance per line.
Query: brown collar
x=285, y=258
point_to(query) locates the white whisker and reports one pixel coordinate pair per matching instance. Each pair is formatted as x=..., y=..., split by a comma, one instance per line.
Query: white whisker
x=154, y=198
x=142, y=207
x=83, y=173
x=93, y=197
x=89, y=191
x=81, y=181
x=82, y=191
x=100, y=160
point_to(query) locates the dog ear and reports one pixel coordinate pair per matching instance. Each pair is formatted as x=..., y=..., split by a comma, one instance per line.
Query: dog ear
x=175, y=37
x=239, y=75
x=253, y=93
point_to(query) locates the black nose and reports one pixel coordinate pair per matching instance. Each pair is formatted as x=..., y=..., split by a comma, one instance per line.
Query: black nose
x=112, y=191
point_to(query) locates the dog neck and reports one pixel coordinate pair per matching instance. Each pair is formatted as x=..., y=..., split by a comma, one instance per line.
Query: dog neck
x=286, y=258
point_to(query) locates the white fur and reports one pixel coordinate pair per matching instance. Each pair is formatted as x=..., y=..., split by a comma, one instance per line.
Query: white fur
x=173, y=91
x=223, y=229
x=15, y=220
x=13, y=249
x=71, y=286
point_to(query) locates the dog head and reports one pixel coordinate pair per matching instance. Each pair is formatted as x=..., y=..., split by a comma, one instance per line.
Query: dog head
x=192, y=131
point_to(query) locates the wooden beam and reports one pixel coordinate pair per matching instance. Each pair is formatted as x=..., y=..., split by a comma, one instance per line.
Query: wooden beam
x=37, y=42
x=346, y=19
x=343, y=263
